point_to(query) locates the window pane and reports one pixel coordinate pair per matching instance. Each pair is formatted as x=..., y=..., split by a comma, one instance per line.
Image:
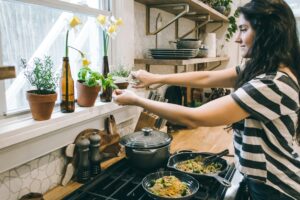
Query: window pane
x=295, y=6
x=98, y=4
x=28, y=31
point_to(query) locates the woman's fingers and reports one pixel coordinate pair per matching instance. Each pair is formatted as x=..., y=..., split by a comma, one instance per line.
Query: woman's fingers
x=118, y=91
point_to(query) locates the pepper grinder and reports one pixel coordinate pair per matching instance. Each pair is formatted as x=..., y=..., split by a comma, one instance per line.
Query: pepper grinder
x=83, y=173
x=95, y=157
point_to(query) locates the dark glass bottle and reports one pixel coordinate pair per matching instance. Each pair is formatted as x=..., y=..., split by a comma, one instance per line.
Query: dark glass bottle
x=83, y=167
x=106, y=94
x=67, y=104
x=105, y=69
x=95, y=157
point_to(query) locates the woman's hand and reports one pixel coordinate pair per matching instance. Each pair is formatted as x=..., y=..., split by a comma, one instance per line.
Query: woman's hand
x=143, y=78
x=125, y=97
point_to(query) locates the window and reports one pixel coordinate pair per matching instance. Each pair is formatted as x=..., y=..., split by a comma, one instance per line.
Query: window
x=38, y=28
x=295, y=5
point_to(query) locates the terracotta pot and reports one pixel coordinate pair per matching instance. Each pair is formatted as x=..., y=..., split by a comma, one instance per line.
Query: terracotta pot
x=122, y=85
x=41, y=106
x=86, y=96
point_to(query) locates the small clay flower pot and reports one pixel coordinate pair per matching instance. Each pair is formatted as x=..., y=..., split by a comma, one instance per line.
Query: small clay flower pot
x=41, y=105
x=122, y=85
x=86, y=96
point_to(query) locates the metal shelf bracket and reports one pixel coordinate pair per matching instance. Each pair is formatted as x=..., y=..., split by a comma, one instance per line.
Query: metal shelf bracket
x=184, y=6
x=197, y=27
x=220, y=26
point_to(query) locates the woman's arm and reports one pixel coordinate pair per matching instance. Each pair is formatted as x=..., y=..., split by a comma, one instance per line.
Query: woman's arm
x=200, y=79
x=222, y=111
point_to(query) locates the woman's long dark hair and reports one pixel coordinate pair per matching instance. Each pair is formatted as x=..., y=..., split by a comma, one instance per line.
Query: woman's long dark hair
x=276, y=41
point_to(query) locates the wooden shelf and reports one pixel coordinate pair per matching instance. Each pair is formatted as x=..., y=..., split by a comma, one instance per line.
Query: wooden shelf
x=195, y=6
x=151, y=61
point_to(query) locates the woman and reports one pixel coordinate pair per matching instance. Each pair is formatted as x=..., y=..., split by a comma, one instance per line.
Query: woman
x=264, y=108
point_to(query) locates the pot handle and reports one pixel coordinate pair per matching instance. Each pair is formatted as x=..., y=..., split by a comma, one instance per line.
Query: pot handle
x=169, y=164
x=222, y=180
x=148, y=152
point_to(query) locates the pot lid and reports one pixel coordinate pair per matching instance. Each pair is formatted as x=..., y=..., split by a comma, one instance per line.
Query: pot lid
x=146, y=139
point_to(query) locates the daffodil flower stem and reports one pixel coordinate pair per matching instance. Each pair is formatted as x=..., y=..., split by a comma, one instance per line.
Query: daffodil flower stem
x=81, y=53
x=104, y=43
x=67, y=47
x=107, y=42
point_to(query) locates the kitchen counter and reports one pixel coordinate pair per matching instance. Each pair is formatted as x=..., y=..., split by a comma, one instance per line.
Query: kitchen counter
x=204, y=139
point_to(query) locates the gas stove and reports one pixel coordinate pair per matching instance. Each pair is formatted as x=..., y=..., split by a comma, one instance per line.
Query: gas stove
x=121, y=181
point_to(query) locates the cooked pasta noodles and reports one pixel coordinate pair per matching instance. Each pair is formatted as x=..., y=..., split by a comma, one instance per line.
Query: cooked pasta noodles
x=196, y=166
x=169, y=186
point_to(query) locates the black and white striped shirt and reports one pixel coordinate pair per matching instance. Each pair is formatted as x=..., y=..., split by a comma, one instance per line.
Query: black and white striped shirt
x=263, y=142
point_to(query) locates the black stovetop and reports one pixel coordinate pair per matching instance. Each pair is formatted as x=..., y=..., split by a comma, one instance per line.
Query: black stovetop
x=121, y=181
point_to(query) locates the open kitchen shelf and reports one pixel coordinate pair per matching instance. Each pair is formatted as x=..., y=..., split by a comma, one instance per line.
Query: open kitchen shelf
x=180, y=62
x=196, y=6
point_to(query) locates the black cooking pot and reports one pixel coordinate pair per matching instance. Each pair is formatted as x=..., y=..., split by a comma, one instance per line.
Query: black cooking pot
x=190, y=181
x=147, y=149
x=175, y=159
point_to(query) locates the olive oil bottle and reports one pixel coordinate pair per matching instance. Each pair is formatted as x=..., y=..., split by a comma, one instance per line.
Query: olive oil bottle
x=67, y=104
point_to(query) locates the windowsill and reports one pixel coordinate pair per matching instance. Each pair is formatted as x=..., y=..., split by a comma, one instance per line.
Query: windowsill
x=23, y=139
x=22, y=127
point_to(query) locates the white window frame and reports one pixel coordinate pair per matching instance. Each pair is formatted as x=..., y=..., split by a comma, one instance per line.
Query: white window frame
x=56, y=4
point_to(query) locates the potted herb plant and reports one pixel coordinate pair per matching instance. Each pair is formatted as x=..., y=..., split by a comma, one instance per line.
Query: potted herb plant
x=223, y=6
x=120, y=77
x=88, y=83
x=108, y=86
x=41, y=76
x=88, y=86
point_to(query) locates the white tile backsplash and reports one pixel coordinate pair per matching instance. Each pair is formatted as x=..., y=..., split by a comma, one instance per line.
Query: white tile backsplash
x=39, y=175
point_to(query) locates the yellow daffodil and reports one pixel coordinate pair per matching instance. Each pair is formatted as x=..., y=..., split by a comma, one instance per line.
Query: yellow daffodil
x=112, y=29
x=119, y=21
x=101, y=19
x=85, y=62
x=74, y=22
x=109, y=26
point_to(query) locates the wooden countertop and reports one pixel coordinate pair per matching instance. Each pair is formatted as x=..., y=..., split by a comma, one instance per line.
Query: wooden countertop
x=203, y=139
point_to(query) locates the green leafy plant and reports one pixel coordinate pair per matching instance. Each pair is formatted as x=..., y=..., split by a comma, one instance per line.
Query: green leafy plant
x=232, y=27
x=41, y=75
x=108, y=82
x=225, y=3
x=89, y=77
x=121, y=72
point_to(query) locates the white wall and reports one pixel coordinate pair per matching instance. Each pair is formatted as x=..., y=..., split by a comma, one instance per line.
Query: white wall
x=123, y=49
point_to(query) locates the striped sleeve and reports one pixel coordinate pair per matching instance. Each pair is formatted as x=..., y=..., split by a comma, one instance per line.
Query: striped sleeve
x=260, y=98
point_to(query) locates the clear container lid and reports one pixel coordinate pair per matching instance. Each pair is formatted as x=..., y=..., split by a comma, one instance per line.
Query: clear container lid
x=146, y=139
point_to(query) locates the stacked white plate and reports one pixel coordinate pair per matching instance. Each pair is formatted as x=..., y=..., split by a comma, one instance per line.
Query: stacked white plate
x=173, y=53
